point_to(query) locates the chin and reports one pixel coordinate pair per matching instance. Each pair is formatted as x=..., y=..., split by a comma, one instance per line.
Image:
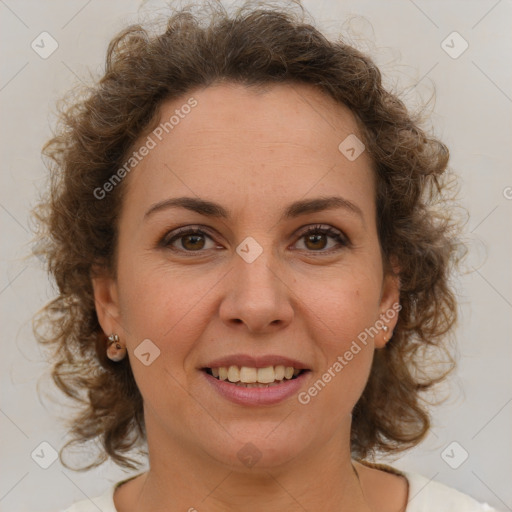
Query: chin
x=253, y=448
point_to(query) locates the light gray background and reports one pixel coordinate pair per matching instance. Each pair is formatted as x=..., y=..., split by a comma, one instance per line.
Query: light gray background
x=471, y=114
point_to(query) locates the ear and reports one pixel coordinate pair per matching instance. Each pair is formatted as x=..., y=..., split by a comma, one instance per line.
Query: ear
x=106, y=301
x=389, y=307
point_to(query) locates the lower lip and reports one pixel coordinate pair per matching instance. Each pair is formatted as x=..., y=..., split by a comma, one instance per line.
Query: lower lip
x=257, y=396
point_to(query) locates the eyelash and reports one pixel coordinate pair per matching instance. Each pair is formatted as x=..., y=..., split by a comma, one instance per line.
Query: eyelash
x=167, y=240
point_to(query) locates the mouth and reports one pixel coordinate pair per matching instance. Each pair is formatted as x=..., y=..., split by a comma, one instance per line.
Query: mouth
x=253, y=377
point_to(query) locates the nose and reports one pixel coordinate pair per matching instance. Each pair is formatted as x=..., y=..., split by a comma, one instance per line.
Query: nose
x=257, y=296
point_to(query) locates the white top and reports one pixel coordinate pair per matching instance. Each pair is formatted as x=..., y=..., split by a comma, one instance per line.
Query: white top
x=424, y=496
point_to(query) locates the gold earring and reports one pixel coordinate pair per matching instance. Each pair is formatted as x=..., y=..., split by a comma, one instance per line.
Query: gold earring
x=115, y=351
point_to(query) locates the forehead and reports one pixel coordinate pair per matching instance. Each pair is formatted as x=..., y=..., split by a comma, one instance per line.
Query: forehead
x=275, y=141
x=274, y=114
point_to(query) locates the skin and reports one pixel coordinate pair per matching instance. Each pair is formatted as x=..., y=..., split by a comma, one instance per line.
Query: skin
x=254, y=152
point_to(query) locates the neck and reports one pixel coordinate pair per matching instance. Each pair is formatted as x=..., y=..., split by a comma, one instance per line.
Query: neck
x=184, y=478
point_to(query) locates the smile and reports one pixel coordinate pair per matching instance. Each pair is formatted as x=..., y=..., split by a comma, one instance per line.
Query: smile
x=271, y=384
x=251, y=377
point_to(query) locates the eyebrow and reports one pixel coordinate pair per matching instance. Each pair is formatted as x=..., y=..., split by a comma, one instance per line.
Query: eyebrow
x=296, y=209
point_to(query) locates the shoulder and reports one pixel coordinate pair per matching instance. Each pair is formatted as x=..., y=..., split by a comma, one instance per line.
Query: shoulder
x=426, y=495
x=105, y=503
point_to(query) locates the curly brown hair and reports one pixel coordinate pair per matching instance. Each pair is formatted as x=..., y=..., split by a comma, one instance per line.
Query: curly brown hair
x=254, y=46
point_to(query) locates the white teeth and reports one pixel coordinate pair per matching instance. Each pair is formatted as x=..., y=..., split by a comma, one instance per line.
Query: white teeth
x=288, y=372
x=255, y=377
x=233, y=374
x=266, y=375
x=248, y=375
x=279, y=372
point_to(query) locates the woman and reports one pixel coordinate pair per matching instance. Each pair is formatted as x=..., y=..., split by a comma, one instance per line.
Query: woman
x=253, y=274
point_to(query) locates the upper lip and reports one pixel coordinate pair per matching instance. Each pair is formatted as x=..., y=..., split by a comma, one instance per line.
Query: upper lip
x=255, y=361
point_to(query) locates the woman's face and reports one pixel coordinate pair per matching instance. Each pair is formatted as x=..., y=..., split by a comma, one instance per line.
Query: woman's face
x=250, y=287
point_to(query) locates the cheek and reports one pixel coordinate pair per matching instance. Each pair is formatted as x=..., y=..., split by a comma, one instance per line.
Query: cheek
x=341, y=304
x=156, y=298
x=344, y=319
x=341, y=313
x=170, y=309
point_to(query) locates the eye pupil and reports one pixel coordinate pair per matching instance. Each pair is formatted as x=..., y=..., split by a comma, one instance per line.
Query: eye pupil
x=314, y=240
x=319, y=237
x=194, y=239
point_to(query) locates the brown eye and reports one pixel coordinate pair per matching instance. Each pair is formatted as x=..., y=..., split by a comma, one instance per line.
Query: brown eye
x=316, y=242
x=187, y=240
x=192, y=242
x=317, y=239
